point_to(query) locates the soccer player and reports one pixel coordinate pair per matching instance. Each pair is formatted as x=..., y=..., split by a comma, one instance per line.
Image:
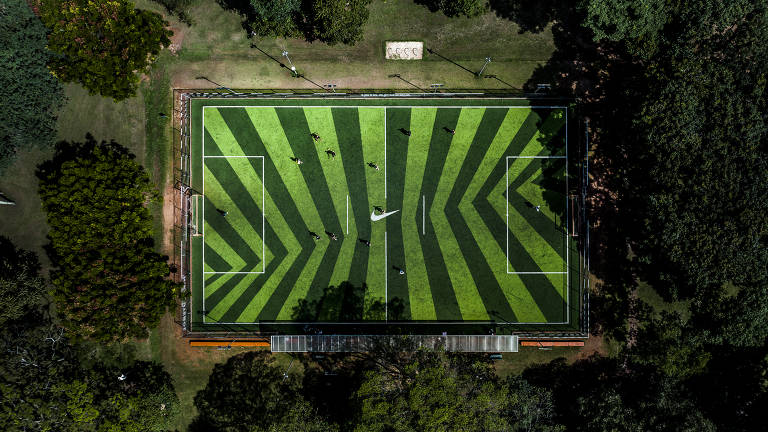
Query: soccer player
x=297, y=160
x=315, y=137
x=405, y=131
x=333, y=236
x=222, y=212
x=450, y=131
x=373, y=165
x=365, y=242
x=314, y=235
x=379, y=209
x=330, y=153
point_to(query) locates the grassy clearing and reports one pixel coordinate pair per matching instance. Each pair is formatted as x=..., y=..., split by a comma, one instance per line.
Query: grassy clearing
x=217, y=47
x=646, y=293
x=25, y=222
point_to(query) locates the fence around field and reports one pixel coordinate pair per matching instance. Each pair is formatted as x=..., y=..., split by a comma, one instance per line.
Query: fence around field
x=182, y=230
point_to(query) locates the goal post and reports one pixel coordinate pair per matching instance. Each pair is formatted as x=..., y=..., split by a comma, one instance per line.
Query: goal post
x=196, y=214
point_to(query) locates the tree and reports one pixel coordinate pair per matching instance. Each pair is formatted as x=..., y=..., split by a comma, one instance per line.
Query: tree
x=636, y=22
x=337, y=21
x=246, y=393
x=670, y=344
x=29, y=94
x=21, y=288
x=109, y=283
x=454, y=8
x=302, y=417
x=275, y=17
x=433, y=391
x=103, y=45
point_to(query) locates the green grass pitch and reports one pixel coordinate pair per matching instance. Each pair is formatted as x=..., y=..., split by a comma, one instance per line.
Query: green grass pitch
x=480, y=229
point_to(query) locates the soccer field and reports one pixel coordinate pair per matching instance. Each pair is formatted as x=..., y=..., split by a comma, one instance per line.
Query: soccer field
x=426, y=211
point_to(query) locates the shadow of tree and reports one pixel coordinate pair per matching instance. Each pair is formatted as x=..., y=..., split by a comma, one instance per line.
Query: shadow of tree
x=602, y=80
x=529, y=16
x=347, y=303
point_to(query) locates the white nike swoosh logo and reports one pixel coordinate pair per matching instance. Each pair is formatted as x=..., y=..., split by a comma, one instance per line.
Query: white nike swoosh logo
x=375, y=217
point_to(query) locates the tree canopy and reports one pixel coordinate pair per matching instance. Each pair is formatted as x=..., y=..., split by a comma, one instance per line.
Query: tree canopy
x=21, y=287
x=29, y=94
x=454, y=8
x=329, y=21
x=104, y=45
x=108, y=283
x=45, y=387
x=433, y=391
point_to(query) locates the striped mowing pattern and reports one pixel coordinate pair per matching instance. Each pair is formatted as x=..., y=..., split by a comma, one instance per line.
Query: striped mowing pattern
x=468, y=234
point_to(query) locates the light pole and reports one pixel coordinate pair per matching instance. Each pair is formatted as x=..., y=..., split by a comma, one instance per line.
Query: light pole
x=293, y=68
x=487, y=60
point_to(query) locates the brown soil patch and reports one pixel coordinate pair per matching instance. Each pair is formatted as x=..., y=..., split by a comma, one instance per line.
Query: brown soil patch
x=168, y=217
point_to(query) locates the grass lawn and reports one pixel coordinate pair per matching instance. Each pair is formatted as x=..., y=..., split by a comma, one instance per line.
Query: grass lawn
x=479, y=231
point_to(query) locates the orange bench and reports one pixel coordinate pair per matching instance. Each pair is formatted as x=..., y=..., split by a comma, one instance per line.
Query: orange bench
x=226, y=343
x=534, y=343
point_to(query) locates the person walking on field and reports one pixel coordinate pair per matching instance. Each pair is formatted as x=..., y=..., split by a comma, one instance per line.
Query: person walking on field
x=315, y=137
x=331, y=154
x=373, y=165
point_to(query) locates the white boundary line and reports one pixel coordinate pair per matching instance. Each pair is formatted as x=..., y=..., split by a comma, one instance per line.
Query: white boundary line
x=386, y=280
x=423, y=215
x=389, y=106
x=568, y=291
x=385, y=157
x=232, y=157
x=537, y=157
x=347, y=214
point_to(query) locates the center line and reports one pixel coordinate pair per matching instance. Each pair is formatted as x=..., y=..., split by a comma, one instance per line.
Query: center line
x=423, y=215
x=347, y=214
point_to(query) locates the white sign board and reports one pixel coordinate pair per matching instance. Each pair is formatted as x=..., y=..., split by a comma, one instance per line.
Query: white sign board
x=404, y=50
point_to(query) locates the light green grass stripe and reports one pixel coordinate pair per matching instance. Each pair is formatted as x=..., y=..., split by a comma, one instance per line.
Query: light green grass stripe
x=539, y=249
x=270, y=130
x=226, y=303
x=219, y=131
x=520, y=300
x=288, y=239
x=470, y=303
x=211, y=288
x=372, y=136
x=236, y=218
x=320, y=121
x=550, y=125
x=420, y=296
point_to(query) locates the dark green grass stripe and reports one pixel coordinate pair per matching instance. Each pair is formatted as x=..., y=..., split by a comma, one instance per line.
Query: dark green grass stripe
x=229, y=235
x=242, y=128
x=491, y=293
x=297, y=131
x=214, y=260
x=397, y=153
x=276, y=302
x=238, y=192
x=546, y=228
x=348, y=134
x=279, y=253
x=541, y=289
x=443, y=296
